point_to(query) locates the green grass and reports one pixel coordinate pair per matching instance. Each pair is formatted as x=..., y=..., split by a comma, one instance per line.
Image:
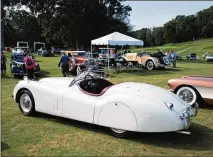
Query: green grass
x=53, y=136
x=198, y=46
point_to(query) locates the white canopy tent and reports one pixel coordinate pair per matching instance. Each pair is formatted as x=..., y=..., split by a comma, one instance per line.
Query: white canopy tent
x=116, y=38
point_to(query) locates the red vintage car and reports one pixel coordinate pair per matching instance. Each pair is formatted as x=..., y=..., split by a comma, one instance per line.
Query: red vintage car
x=193, y=89
x=77, y=61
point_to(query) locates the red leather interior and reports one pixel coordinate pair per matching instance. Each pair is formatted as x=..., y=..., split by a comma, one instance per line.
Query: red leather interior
x=103, y=91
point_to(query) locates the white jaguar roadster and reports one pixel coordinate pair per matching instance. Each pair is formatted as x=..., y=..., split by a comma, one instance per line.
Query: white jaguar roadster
x=123, y=108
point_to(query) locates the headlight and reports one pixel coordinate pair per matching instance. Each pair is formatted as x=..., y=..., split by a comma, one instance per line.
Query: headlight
x=186, y=117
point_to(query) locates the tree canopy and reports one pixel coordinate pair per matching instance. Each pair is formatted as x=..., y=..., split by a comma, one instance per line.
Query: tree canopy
x=180, y=29
x=71, y=23
x=74, y=23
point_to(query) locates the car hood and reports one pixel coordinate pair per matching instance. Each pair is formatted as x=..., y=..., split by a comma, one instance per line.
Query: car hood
x=151, y=92
x=58, y=81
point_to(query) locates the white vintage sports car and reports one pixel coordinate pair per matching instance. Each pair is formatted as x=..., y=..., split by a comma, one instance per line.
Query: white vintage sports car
x=123, y=108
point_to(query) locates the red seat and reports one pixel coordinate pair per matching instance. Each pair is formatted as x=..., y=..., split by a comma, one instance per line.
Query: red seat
x=102, y=92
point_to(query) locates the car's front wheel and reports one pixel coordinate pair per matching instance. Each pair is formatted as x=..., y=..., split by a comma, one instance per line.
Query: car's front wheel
x=26, y=103
x=78, y=70
x=150, y=65
x=120, y=133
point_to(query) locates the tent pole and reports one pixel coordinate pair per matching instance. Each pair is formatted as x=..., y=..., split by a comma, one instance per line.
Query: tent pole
x=108, y=55
x=91, y=51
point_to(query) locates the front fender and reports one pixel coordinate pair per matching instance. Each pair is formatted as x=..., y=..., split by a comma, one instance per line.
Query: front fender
x=21, y=85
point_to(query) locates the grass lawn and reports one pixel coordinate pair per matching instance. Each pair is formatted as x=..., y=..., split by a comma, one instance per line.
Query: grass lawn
x=46, y=135
x=198, y=46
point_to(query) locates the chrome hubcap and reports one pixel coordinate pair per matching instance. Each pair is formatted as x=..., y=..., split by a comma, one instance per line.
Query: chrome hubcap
x=25, y=103
x=149, y=65
x=186, y=95
x=78, y=70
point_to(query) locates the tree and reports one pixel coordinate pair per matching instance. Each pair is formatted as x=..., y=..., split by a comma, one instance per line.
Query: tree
x=158, y=34
x=170, y=31
x=77, y=22
x=150, y=38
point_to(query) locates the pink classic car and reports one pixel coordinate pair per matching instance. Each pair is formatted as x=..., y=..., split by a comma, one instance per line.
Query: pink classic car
x=193, y=89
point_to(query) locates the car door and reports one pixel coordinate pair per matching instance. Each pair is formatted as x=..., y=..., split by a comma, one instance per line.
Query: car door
x=79, y=105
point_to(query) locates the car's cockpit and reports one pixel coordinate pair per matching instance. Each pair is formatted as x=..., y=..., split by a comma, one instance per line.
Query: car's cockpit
x=91, y=84
x=94, y=86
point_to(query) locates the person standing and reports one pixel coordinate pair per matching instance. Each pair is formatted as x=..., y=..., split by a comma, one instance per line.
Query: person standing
x=30, y=65
x=64, y=64
x=3, y=64
x=174, y=58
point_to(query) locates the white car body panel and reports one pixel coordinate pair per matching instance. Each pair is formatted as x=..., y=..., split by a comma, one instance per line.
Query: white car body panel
x=129, y=106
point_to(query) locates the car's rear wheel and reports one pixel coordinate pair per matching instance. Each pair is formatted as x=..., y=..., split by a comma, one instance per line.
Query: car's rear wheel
x=120, y=133
x=150, y=65
x=188, y=94
x=26, y=103
x=78, y=70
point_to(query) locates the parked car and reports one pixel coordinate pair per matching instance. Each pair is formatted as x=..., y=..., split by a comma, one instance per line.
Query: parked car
x=193, y=89
x=56, y=49
x=98, y=101
x=179, y=57
x=209, y=57
x=17, y=65
x=18, y=50
x=205, y=54
x=44, y=52
x=148, y=60
x=78, y=62
x=192, y=56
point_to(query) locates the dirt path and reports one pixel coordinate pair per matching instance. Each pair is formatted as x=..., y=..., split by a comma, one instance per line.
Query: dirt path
x=183, y=50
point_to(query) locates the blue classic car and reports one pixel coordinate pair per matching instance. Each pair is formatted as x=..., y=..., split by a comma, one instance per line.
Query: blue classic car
x=17, y=65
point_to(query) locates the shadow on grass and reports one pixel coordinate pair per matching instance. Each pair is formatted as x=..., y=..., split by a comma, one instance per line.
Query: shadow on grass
x=38, y=61
x=195, y=61
x=43, y=74
x=201, y=137
x=4, y=146
x=145, y=72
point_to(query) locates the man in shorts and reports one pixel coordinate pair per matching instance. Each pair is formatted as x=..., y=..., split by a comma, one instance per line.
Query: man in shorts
x=64, y=64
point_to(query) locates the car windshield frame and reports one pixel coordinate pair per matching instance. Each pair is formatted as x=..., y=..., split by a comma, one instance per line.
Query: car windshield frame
x=81, y=76
x=87, y=71
x=18, y=57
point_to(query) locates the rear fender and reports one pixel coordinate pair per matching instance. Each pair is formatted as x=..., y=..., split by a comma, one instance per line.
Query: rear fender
x=117, y=115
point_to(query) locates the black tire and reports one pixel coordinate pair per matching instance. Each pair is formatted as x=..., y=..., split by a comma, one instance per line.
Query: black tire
x=148, y=65
x=26, y=94
x=120, y=133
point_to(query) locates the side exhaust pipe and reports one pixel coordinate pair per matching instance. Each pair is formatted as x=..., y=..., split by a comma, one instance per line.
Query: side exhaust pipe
x=183, y=132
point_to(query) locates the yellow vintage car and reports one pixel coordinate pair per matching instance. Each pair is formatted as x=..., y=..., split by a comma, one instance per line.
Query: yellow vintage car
x=149, y=61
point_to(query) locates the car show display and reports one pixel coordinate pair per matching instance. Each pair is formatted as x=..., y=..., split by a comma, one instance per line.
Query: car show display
x=44, y=52
x=147, y=60
x=192, y=56
x=56, y=49
x=17, y=65
x=98, y=101
x=193, y=89
x=209, y=58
